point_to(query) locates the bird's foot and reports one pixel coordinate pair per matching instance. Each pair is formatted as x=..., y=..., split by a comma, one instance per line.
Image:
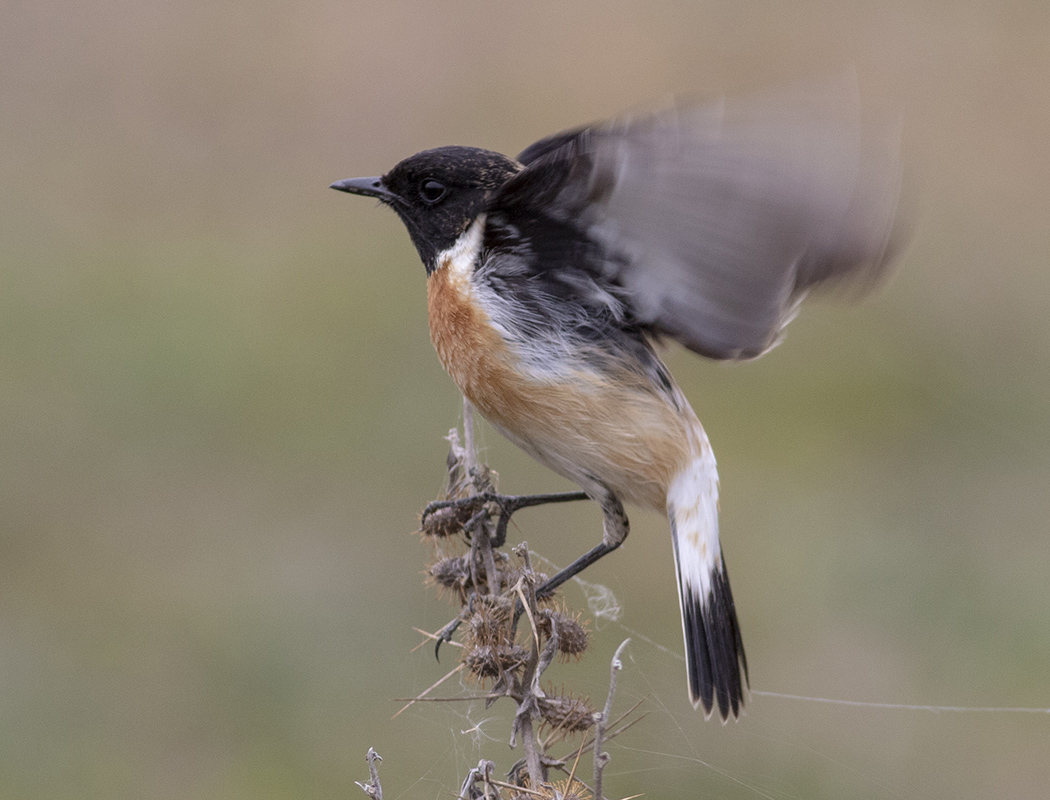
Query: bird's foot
x=449, y=517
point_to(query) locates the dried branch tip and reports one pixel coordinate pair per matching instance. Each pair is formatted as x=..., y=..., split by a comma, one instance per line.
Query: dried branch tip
x=373, y=788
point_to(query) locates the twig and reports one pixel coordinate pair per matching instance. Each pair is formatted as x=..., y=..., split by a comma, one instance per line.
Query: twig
x=546, y=658
x=600, y=758
x=526, y=589
x=483, y=773
x=470, y=698
x=470, y=456
x=482, y=533
x=481, y=544
x=530, y=691
x=431, y=688
x=576, y=763
x=619, y=728
x=373, y=788
x=528, y=613
x=518, y=789
x=537, y=774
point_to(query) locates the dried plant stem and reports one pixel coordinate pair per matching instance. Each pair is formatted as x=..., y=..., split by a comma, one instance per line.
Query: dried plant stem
x=530, y=691
x=602, y=718
x=481, y=532
x=482, y=774
x=481, y=545
x=458, y=668
x=537, y=774
x=470, y=458
x=497, y=593
x=373, y=788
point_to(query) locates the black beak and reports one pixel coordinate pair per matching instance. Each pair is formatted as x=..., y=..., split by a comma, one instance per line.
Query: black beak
x=369, y=187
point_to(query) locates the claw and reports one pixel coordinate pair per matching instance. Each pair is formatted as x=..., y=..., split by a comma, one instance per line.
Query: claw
x=445, y=635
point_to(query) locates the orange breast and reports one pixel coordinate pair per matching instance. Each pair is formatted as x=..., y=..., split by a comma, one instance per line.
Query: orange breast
x=469, y=347
x=585, y=425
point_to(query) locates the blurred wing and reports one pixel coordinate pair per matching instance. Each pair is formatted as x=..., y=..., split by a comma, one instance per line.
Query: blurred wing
x=714, y=222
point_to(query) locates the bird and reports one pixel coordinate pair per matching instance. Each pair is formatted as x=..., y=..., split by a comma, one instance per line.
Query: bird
x=555, y=278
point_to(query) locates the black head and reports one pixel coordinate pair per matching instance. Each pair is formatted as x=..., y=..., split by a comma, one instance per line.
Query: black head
x=437, y=193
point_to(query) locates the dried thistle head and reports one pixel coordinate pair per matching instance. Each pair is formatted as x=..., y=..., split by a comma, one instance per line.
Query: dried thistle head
x=446, y=522
x=452, y=572
x=490, y=624
x=489, y=647
x=566, y=713
x=572, y=635
x=464, y=491
x=493, y=661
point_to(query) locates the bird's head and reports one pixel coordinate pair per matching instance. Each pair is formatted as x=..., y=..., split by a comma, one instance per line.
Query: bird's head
x=437, y=193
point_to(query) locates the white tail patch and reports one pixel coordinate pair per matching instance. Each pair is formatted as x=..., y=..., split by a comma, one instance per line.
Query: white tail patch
x=692, y=506
x=714, y=651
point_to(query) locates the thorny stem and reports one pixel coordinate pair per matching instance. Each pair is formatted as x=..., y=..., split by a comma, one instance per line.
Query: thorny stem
x=530, y=685
x=481, y=773
x=602, y=718
x=373, y=789
x=532, y=751
x=521, y=682
x=481, y=535
x=481, y=538
x=470, y=457
x=527, y=592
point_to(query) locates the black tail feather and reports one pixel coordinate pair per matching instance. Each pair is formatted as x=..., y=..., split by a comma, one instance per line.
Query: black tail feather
x=713, y=646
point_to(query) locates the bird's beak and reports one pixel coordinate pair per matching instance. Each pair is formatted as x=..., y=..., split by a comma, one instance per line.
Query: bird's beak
x=369, y=187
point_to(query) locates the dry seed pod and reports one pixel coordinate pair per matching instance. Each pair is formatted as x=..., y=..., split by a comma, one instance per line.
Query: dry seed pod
x=572, y=636
x=566, y=713
x=446, y=522
x=489, y=625
x=492, y=661
x=494, y=605
x=452, y=572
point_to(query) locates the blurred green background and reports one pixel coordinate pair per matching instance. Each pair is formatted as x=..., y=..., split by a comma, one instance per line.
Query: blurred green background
x=220, y=412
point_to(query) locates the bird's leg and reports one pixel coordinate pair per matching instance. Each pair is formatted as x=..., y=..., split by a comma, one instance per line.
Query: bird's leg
x=510, y=503
x=615, y=528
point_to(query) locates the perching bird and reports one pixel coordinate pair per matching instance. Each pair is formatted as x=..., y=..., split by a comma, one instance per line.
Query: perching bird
x=551, y=276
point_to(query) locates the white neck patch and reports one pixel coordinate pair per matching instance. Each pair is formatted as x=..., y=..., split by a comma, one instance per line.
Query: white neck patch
x=462, y=256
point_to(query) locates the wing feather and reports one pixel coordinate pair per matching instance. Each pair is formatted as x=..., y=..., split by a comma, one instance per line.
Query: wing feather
x=715, y=221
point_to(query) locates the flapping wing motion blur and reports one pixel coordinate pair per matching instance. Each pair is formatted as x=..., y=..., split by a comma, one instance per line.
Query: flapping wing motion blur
x=714, y=222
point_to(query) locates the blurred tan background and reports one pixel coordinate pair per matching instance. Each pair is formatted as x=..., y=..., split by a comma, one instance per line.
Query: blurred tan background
x=220, y=412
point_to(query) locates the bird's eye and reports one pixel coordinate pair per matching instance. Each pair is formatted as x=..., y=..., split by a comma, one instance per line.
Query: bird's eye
x=432, y=191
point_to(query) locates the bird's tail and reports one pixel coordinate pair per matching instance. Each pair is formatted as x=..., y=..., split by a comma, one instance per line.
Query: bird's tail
x=714, y=650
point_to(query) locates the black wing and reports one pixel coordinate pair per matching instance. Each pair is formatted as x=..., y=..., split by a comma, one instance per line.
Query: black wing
x=712, y=223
